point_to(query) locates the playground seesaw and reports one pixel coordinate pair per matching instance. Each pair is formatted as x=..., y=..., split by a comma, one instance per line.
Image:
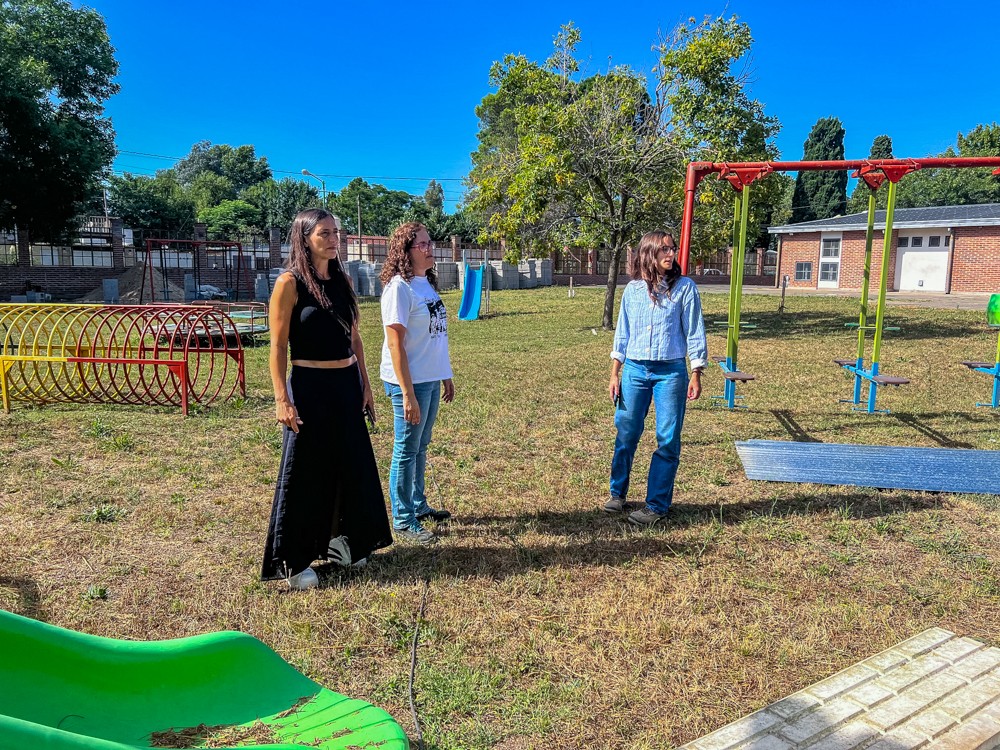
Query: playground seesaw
x=63, y=690
x=873, y=172
x=990, y=368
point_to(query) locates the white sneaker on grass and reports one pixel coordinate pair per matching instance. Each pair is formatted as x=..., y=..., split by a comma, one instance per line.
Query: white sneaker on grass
x=307, y=579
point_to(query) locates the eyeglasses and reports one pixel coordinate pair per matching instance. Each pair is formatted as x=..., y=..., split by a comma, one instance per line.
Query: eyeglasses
x=669, y=248
x=423, y=246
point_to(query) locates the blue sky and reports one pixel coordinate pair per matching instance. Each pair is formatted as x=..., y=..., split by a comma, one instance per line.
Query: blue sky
x=388, y=89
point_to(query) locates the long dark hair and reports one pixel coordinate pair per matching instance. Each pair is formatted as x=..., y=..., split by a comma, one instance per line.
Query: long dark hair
x=397, y=258
x=645, y=267
x=300, y=263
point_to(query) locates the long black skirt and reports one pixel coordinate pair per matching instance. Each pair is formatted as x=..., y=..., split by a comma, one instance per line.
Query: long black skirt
x=328, y=484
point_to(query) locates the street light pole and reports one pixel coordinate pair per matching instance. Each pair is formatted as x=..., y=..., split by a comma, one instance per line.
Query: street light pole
x=321, y=182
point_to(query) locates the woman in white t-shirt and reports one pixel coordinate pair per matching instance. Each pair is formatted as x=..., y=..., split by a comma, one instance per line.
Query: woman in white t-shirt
x=415, y=364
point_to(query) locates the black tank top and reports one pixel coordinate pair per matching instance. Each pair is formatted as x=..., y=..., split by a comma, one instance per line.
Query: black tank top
x=316, y=333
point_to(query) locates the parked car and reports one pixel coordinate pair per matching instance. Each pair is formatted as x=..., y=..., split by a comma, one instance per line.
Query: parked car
x=711, y=272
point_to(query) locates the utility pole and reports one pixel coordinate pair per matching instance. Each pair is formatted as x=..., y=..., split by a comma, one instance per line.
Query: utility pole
x=359, y=225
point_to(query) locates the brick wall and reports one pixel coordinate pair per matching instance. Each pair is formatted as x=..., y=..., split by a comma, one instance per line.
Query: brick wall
x=799, y=248
x=975, y=265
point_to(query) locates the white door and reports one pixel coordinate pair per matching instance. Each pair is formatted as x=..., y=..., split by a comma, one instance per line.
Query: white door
x=829, y=263
x=922, y=269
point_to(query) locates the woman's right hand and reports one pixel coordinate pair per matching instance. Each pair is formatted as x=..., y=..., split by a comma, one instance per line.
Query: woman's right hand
x=614, y=389
x=288, y=415
x=411, y=409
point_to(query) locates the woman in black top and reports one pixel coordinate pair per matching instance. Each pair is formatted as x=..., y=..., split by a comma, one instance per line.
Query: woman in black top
x=328, y=502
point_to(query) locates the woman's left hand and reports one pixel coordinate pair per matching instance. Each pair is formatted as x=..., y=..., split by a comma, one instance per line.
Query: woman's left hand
x=694, y=387
x=449, y=390
x=368, y=401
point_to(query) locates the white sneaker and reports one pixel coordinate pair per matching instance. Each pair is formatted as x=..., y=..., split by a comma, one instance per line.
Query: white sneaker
x=307, y=579
x=359, y=564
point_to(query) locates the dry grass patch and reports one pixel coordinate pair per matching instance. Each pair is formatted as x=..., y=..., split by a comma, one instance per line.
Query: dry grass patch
x=548, y=624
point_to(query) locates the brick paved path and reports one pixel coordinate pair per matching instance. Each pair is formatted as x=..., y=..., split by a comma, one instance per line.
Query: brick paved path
x=935, y=690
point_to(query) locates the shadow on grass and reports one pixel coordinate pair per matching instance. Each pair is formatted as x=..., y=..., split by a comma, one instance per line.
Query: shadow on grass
x=821, y=323
x=592, y=538
x=29, y=596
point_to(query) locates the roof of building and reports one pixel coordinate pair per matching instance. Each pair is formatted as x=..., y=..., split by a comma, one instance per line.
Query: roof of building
x=982, y=215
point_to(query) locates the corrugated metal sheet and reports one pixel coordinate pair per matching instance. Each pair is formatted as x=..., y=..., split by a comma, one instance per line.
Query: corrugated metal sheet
x=885, y=467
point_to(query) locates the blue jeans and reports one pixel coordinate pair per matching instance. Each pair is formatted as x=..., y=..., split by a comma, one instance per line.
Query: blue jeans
x=665, y=384
x=409, y=453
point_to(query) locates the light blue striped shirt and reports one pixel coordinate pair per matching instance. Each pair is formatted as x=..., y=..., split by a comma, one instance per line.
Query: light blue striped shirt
x=670, y=328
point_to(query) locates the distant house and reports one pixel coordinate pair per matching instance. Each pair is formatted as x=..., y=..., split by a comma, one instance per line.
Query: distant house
x=942, y=249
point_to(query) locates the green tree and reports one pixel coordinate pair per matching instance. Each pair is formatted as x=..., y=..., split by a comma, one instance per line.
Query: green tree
x=57, y=68
x=151, y=202
x=821, y=195
x=956, y=187
x=881, y=149
x=434, y=196
x=598, y=161
x=381, y=209
x=240, y=165
x=229, y=219
x=278, y=202
x=210, y=189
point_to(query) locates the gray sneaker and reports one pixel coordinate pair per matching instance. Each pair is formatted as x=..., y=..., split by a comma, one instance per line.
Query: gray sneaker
x=338, y=552
x=616, y=505
x=645, y=516
x=416, y=534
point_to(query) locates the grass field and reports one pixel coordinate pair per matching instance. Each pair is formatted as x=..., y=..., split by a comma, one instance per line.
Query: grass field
x=548, y=624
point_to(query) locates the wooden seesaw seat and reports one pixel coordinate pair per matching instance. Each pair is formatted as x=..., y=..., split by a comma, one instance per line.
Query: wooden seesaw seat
x=890, y=380
x=893, y=380
x=735, y=375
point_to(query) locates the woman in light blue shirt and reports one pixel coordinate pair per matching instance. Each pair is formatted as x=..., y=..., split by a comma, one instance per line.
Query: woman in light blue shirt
x=659, y=323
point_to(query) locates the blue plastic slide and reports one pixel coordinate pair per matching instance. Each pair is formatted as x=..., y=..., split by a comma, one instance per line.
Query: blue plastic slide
x=472, y=295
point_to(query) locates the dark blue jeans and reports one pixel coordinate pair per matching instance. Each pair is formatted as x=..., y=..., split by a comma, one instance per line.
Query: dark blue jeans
x=663, y=383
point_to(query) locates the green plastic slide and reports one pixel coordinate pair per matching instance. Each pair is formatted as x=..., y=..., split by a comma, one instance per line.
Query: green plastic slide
x=63, y=690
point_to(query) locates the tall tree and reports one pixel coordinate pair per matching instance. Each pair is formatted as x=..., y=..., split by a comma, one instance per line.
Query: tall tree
x=57, y=67
x=229, y=219
x=434, y=196
x=956, y=187
x=158, y=202
x=381, y=208
x=240, y=165
x=599, y=160
x=881, y=149
x=821, y=195
x=278, y=202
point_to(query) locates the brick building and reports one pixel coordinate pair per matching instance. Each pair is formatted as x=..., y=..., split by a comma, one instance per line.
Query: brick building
x=941, y=249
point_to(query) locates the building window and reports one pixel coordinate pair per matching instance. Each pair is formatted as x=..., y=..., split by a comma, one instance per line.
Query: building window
x=829, y=271
x=89, y=258
x=8, y=248
x=803, y=271
x=903, y=242
x=831, y=248
x=50, y=255
x=934, y=241
x=947, y=240
x=916, y=242
x=173, y=259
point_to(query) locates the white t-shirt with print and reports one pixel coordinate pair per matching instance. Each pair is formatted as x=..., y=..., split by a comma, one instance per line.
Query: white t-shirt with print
x=418, y=307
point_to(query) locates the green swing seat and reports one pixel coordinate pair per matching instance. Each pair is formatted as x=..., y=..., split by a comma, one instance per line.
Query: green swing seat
x=63, y=690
